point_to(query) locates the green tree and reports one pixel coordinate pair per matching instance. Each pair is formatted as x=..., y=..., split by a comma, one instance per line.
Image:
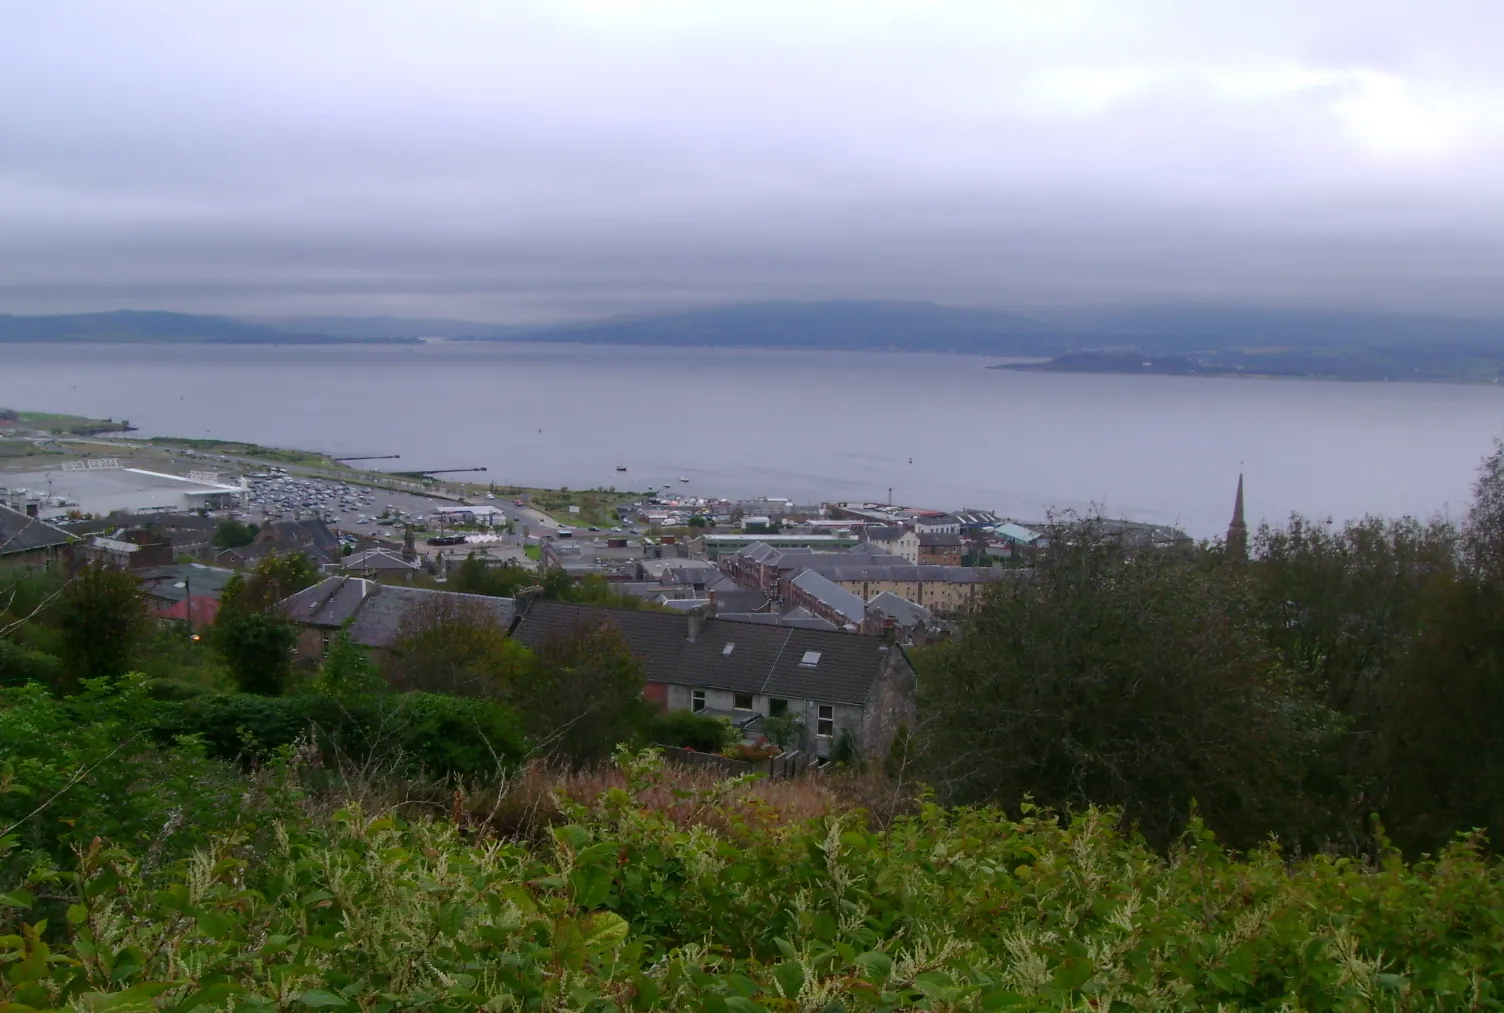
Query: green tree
x=582, y=696
x=454, y=646
x=786, y=731
x=476, y=577
x=275, y=576
x=257, y=647
x=231, y=534
x=1137, y=680
x=253, y=635
x=347, y=671
x=102, y=619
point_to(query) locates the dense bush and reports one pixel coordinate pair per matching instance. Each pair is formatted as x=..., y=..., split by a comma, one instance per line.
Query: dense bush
x=409, y=733
x=20, y=664
x=84, y=766
x=700, y=732
x=623, y=907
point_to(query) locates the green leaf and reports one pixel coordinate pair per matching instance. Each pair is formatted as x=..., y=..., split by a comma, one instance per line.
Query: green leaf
x=210, y=995
x=319, y=998
x=790, y=978
x=17, y=898
x=591, y=885
x=878, y=965
x=741, y=1004
x=568, y=944
x=1073, y=972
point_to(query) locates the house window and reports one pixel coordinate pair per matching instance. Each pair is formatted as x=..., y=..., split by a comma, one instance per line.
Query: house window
x=324, y=639
x=697, y=700
x=743, y=701
x=728, y=649
x=777, y=708
x=810, y=659
x=825, y=723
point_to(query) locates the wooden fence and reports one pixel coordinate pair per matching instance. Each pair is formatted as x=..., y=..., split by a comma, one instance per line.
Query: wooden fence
x=784, y=765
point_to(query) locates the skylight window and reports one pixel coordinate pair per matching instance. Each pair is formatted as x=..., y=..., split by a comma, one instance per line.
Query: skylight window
x=810, y=659
x=728, y=649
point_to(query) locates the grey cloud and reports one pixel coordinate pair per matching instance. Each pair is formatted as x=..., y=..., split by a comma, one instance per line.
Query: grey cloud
x=564, y=159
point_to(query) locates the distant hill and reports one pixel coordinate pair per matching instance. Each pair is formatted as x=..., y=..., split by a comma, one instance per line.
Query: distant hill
x=377, y=328
x=889, y=326
x=125, y=326
x=1280, y=341
x=1171, y=328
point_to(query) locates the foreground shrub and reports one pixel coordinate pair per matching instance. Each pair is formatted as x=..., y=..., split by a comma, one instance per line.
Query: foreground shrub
x=408, y=733
x=622, y=908
x=20, y=664
x=699, y=732
x=76, y=768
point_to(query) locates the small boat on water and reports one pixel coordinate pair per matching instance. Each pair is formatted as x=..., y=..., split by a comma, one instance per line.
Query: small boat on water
x=621, y=467
x=683, y=479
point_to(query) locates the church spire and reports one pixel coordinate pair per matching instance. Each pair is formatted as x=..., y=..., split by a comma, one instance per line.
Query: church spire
x=1237, y=531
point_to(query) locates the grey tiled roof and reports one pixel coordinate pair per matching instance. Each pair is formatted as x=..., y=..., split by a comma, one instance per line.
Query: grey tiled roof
x=831, y=594
x=736, y=600
x=902, y=611
x=20, y=533
x=940, y=540
x=378, y=610
x=310, y=535
x=881, y=533
x=800, y=617
x=376, y=559
x=909, y=572
x=172, y=583
x=764, y=659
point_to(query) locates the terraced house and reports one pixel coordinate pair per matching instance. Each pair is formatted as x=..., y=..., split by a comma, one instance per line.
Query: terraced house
x=837, y=683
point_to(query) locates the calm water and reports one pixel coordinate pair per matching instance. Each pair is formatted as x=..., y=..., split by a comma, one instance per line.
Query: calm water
x=811, y=426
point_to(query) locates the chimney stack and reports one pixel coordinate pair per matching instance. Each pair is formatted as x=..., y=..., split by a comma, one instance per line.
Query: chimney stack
x=696, y=618
x=409, y=544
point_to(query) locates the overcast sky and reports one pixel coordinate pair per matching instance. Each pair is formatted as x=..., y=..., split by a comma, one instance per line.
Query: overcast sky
x=525, y=161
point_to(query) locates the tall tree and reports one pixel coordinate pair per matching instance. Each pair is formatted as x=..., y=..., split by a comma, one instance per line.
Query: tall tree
x=1134, y=679
x=103, y=620
x=252, y=634
x=583, y=694
x=454, y=646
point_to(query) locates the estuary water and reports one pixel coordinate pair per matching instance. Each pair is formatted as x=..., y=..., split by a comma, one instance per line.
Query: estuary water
x=938, y=430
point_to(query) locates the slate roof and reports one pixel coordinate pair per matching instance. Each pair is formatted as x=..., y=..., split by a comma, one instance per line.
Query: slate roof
x=310, y=535
x=377, y=610
x=20, y=533
x=376, y=559
x=800, y=617
x=898, y=608
x=882, y=533
x=910, y=572
x=172, y=583
x=736, y=600
x=757, y=552
x=175, y=523
x=860, y=555
x=940, y=540
x=764, y=659
x=832, y=595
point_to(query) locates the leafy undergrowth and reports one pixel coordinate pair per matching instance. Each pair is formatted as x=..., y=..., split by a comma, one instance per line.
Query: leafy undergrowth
x=649, y=892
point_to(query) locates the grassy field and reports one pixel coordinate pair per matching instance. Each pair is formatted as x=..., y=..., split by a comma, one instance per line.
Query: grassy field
x=67, y=424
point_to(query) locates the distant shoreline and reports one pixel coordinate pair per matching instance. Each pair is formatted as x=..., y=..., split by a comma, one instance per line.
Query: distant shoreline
x=1371, y=367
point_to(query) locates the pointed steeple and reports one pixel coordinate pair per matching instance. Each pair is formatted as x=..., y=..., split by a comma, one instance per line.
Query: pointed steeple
x=1237, y=531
